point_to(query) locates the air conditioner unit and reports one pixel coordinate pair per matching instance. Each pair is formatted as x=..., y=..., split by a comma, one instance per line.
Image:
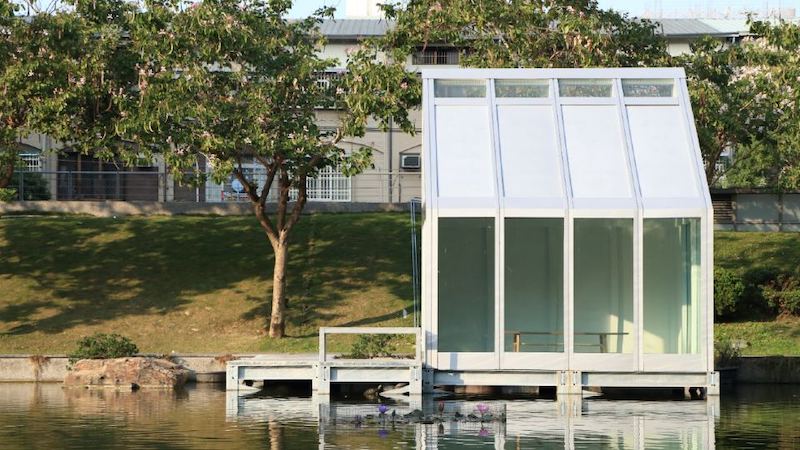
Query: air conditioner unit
x=411, y=161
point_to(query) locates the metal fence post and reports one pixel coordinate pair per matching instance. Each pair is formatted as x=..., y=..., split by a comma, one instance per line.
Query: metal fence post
x=117, y=193
x=69, y=185
x=21, y=191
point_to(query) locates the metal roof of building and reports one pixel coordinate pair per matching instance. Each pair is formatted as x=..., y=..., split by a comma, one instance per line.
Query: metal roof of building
x=346, y=29
x=354, y=28
x=689, y=27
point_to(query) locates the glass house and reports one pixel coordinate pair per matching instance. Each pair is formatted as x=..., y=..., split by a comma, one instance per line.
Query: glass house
x=568, y=225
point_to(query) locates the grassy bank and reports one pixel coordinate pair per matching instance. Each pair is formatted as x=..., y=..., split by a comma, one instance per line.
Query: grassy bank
x=754, y=257
x=195, y=284
x=200, y=284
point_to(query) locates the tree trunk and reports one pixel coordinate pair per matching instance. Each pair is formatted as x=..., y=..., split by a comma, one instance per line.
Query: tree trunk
x=277, y=323
x=6, y=173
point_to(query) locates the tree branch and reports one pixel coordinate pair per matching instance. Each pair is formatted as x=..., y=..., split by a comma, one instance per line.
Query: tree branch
x=258, y=205
x=299, y=204
x=283, y=200
x=271, y=170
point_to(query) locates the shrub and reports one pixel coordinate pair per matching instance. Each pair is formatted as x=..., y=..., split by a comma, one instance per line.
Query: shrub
x=729, y=291
x=34, y=185
x=373, y=346
x=8, y=194
x=726, y=354
x=783, y=294
x=104, y=346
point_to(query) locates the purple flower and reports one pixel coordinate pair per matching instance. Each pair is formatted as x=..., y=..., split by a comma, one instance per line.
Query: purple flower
x=482, y=408
x=382, y=408
x=483, y=432
x=382, y=433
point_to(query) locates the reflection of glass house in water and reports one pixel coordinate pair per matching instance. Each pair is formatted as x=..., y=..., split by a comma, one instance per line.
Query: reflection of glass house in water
x=568, y=230
x=570, y=422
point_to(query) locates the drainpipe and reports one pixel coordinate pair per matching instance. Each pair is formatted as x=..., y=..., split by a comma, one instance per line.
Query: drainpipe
x=391, y=155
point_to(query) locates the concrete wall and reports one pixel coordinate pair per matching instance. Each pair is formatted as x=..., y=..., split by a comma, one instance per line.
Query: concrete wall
x=769, y=369
x=53, y=368
x=757, y=211
x=116, y=208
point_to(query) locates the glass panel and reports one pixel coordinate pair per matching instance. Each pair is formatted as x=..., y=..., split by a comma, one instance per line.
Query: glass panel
x=648, y=88
x=664, y=157
x=671, y=285
x=466, y=285
x=584, y=88
x=529, y=151
x=459, y=88
x=604, y=286
x=596, y=152
x=464, y=152
x=534, y=288
x=522, y=88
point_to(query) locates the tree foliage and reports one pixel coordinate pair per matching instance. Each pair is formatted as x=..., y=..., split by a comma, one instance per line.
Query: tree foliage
x=61, y=74
x=526, y=33
x=236, y=84
x=745, y=100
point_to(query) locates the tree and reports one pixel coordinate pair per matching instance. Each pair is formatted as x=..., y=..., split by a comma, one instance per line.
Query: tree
x=527, y=33
x=233, y=83
x=745, y=100
x=27, y=74
x=63, y=74
x=716, y=98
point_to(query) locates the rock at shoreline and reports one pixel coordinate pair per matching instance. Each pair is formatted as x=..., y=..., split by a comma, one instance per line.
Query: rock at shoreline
x=127, y=373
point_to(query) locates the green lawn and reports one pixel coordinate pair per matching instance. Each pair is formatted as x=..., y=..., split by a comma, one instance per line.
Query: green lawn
x=776, y=337
x=751, y=253
x=200, y=284
x=195, y=284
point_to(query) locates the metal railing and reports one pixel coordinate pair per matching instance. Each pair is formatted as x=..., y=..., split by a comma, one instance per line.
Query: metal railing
x=324, y=332
x=436, y=57
x=330, y=186
x=89, y=186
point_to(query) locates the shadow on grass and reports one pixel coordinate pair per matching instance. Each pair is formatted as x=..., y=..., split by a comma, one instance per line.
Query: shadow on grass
x=102, y=269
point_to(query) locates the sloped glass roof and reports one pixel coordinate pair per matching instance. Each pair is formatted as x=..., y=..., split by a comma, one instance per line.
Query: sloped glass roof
x=541, y=142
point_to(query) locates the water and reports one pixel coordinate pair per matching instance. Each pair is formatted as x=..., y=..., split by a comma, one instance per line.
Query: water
x=48, y=417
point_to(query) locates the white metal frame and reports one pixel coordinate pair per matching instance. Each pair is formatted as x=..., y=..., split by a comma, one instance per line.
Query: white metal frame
x=637, y=208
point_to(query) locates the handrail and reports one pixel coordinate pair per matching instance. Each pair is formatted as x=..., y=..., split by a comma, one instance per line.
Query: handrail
x=416, y=331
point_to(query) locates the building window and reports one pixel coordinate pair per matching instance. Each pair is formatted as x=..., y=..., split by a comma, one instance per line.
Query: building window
x=330, y=185
x=31, y=162
x=466, y=285
x=585, y=88
x=648, y=88
x=436, y=56
x=522, y=88
x=534, y=285
x=459, y=88
x=603, y=286
x=671, y=286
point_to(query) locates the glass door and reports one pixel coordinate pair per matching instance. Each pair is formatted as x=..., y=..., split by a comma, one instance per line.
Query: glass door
x=533, y=294
x=672, y=325
x=466, y=293
x=604, y=335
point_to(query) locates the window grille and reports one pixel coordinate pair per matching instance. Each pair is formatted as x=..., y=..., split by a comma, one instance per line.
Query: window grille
x=31, y=162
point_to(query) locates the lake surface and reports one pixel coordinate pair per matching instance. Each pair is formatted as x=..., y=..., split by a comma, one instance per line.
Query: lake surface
x=205, y=417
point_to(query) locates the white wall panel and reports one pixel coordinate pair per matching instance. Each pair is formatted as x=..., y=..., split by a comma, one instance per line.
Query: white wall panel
x=464, y=154
x=596, y=152
x=529, y=151
x=663, y=156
